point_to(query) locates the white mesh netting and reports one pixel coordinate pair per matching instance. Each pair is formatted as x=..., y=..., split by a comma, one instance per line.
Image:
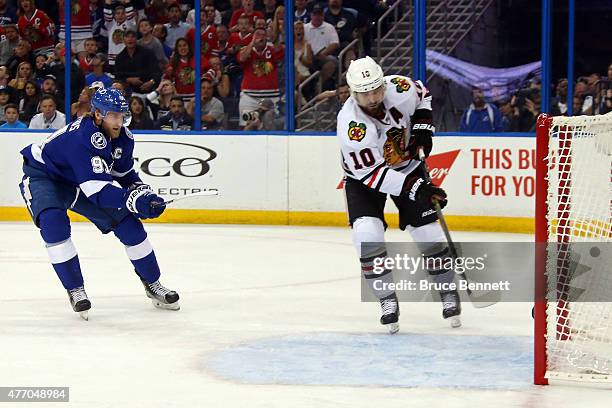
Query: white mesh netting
x=579, y=278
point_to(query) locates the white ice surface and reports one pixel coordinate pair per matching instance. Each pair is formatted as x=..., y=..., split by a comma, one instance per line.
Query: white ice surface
x=270, y=317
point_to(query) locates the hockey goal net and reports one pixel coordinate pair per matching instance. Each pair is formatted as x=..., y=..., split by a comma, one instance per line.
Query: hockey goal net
x=573, y=308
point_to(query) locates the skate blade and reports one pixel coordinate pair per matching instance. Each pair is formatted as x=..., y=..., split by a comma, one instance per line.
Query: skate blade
x=455, y=322
x=393, y=328
x=84, y=315
x=166, y=306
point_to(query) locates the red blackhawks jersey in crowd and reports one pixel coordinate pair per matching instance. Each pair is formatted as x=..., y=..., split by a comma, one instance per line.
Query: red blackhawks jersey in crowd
x=252, y=17
x=209, y=42
x=38, y=30
x=80, y=20
x=183, y=75
x=239, y=39
x=260, y=78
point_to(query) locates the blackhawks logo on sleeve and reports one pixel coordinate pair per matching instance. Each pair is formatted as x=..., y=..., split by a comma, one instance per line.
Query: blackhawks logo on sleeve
x=356, y=131
x=401, y=84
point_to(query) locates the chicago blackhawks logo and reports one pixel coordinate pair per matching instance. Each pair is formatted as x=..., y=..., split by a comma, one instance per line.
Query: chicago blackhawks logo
x=187, y=76
x=401, y=84
x=262, y=67
x=356, y=131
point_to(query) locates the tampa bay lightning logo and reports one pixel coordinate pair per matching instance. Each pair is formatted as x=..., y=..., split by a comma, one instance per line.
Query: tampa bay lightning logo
x=98, y=140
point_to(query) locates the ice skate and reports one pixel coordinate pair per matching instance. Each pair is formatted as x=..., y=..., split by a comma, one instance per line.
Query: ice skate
x=162, y=297
x=390, y=313
x=451, y=307
x=79, y=301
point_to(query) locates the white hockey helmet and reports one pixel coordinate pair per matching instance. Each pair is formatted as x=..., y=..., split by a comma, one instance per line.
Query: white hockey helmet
x=364, y=75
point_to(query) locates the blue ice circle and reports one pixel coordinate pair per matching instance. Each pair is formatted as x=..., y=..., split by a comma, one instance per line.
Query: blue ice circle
x=402, y=360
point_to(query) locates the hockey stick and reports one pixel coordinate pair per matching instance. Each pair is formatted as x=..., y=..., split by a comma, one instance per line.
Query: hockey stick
x=451, y=245
x=206, y=193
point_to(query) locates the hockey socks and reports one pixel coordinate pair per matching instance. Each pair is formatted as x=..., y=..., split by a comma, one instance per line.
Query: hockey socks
x=55, y=230
x=131, y=233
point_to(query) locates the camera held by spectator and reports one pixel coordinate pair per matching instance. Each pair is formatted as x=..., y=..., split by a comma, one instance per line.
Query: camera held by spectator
x=523, y=94
x=265, y=117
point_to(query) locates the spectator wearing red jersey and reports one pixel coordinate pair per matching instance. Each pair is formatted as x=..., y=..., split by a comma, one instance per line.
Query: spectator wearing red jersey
x=248, y=9
x=209, y=42
x=259, y=63
x=181, y=69
x=242, y=38
x=36, y=26
x=80, y=20
x=226, y=16
x=86, y=58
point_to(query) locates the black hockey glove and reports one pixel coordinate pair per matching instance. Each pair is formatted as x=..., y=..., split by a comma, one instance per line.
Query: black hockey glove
x=421, y=133
x=421, y=191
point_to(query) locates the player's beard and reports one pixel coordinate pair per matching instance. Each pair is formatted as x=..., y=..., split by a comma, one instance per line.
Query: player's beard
x=111, y=131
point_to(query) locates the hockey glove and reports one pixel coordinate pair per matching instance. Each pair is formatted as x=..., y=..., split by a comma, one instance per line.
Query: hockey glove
x=140, y=186
x=421, y=191
x=145, y=204
x=421, y=133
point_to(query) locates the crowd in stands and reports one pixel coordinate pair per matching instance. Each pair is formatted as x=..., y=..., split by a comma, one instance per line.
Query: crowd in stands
x=592, y=96
x=146, y=49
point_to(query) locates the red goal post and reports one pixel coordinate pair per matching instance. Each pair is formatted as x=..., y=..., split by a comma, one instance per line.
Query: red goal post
x=573, y=340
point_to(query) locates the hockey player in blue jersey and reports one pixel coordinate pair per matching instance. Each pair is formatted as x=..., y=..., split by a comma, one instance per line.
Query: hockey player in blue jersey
x=87, y=167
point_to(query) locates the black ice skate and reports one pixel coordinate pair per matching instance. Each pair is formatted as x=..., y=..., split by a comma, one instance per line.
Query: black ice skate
x=390, y=313
x=79, y=301
x=162, y=297
x=451, y=307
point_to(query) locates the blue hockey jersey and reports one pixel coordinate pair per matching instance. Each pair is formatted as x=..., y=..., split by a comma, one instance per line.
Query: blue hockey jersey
x=79, y=154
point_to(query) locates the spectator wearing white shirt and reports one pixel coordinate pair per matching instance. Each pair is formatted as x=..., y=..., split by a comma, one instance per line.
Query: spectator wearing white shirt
x=176, y=28
x=49, y=117
x=324, y=41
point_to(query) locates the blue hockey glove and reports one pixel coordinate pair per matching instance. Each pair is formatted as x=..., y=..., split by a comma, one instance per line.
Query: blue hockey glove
x=144, y=203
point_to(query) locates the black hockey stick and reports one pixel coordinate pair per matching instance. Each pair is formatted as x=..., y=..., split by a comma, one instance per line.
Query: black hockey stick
x=476, y=300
